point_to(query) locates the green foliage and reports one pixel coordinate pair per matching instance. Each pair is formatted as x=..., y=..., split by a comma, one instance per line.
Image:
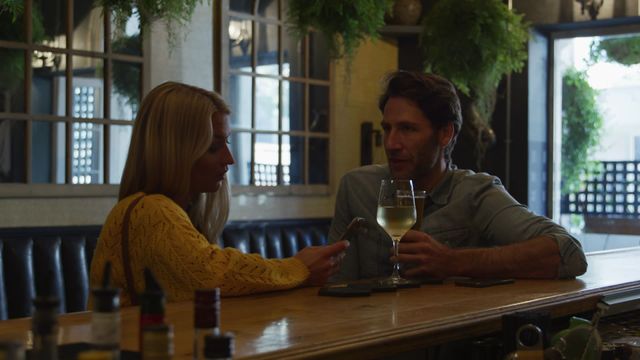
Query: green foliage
x=172, y=12
x=12, y=27
x=126, y=76
x=344, y=24
x=623, y=50
x=12, y=7
x=474, y=43
x=581, y=128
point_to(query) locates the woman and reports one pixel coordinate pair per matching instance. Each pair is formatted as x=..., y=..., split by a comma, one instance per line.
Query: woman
x=174, y=202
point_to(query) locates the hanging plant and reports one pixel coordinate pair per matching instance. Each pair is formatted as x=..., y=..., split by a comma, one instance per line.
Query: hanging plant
x=174, y=13
x=623, y=50
x=474, y=43
x=12, y=7
x=12, y=27
x=581, y=128
x=125, y=76
x=344, y=24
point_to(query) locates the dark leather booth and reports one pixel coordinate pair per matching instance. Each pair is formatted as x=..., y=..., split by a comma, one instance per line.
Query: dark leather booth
x=55, y=260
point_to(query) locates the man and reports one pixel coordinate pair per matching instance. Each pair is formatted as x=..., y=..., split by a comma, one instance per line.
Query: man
x=471, y=226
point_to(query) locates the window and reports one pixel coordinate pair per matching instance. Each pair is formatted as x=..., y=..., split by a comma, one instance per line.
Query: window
x=592, y=169
x=278, y=89
x=69, y=90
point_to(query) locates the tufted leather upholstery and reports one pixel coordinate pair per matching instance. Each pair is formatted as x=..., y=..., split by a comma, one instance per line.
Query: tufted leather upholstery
x=55, y=260
x=275, y=238
x=51, y=261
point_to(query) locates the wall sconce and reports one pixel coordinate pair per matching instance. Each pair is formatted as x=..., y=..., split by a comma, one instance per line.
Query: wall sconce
x=592, y=6
x=240, y=34
x=368, y=137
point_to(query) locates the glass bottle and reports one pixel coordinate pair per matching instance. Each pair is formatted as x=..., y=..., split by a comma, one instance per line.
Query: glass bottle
x=11, y=350
x=206, y=318
x=151, y=305
x=157, y=342
x=105, y=321
x=219, y=347
x=44, y=326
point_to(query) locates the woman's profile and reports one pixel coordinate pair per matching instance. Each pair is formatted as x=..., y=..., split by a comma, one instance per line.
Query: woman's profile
x=174, y=203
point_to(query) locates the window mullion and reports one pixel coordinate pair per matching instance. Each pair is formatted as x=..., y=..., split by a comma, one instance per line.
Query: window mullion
x=106, y=112
x=307, y=71
x=280, y=57
x=28, y=138
x=69, y=94
x=254, y=61
x=28, y=76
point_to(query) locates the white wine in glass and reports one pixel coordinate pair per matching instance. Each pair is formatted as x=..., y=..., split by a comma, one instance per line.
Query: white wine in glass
x=396, y=214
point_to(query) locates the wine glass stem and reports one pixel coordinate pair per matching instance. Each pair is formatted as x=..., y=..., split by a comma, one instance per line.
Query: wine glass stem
x=396, y=264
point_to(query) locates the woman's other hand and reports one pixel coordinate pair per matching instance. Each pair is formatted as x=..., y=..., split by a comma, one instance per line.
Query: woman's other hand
x=322, y=261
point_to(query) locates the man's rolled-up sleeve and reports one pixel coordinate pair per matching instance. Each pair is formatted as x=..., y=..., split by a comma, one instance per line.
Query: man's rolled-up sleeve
x=505, y=221
x=572, y=260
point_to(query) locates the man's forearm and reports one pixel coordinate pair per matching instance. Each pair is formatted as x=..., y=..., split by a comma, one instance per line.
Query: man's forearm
x=537, y=258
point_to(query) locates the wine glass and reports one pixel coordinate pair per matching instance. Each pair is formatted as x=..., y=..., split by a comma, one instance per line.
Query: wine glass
x=396, y=214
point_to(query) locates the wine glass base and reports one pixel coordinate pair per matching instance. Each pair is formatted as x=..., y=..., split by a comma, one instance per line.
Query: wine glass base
x=394, y=281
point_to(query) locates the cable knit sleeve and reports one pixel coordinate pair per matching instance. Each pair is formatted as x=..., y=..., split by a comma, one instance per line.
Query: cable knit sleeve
x=163, y=239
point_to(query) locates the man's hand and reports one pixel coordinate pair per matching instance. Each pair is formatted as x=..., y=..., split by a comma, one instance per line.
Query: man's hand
x=322, y=261
x=428, y=257
x=536, y=258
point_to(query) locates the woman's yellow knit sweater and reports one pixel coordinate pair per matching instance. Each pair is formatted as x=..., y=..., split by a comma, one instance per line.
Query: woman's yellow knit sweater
x=163, y=239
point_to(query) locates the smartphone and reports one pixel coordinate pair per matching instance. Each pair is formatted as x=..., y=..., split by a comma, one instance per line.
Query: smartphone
x=353, y=228
x=344, y=290
x=480, y=283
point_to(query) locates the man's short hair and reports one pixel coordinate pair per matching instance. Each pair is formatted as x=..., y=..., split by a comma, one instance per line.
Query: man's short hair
x=433, y=94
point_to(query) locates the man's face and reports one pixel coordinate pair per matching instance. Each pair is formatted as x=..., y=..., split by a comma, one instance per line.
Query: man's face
x=410, y=141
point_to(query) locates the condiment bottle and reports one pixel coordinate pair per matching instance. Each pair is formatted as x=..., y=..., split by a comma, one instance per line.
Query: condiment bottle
x=151, y=305
x=157, y=342
x=105, y=319
x=218, y=347
x=206, y=318
x=44, y=326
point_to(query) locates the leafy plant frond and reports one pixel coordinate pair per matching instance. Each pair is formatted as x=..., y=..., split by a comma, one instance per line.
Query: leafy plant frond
x=474, y=43
x=344, y=24
x=582, y=125
x=623, y=50
x=174, y=13
x=13, y=7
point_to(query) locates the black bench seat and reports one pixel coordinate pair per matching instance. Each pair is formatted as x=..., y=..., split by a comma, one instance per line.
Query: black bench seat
x=56, y=259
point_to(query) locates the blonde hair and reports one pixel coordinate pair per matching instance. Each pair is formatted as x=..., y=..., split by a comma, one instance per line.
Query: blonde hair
x=171, y=131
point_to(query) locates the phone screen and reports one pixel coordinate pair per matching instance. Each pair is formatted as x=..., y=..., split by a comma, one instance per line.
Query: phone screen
x=352, y=228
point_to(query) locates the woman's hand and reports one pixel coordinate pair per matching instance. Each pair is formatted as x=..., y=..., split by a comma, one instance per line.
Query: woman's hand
x=322, y=261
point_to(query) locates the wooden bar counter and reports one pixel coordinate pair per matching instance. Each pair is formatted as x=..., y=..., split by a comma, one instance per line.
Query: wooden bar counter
x=300, y=324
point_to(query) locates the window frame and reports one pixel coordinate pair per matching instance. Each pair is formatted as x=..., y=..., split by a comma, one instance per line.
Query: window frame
x=553, y=32
x=29, y=189
x=223, y=72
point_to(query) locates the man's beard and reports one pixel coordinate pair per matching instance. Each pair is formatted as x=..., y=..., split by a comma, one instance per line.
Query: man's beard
x=426, y=160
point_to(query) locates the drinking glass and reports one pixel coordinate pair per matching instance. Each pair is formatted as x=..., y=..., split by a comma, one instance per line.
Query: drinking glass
x=396, y=214
x=419, y=198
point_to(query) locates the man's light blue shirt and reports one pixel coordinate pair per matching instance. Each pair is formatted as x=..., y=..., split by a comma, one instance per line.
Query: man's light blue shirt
x=465, y=209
